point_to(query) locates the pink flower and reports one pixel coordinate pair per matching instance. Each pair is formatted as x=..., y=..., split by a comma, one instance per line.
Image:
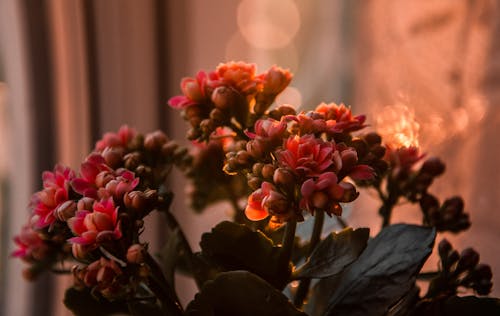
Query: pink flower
x=307, y=155
x=120, y=139
x=339, y=118
x=309, y=123
x=194, y=91
x=100, y=224
x=267, y=201
x=276, y=80
x=325, y=193
x=86, y=185
x=268, y=129
x=124, y=182
x=402, y=159
x=31, y=246
x=56, y=191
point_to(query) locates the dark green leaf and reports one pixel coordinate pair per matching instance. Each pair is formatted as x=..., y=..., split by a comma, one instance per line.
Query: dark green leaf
x=82, y=303
x=240, y=293
x=235, y=247
x=143, y=308
x=170, y=255
x=384, y=273
x=334, y=253
x=460, y=306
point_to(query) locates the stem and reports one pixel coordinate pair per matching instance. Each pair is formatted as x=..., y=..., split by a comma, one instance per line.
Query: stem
x=173, y=225
x=304, y=284
x=287, y=244
x=162, y=290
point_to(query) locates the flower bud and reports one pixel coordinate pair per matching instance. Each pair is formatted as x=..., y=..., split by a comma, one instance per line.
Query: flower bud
x=283, y=177
x=169, y=148
x=254, y=182
x=267, y=171
x=243, y=157
x=433, y=166
x=135, y=254
x=373, y=139
x=469, y=258
x=113, y=157
x=217, y=115
x=225, y=97
x=132, y=160
x=154, y=141
x=66, y=210
x=85, y=203
x=444, y=248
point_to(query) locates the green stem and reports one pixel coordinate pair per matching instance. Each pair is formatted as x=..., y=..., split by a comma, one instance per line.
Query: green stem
x=304, y=284
x=161, y=288
x=287, y=244
x=173, y=225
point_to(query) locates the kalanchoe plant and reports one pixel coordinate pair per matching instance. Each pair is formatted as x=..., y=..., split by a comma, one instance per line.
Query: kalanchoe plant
x=288, y=169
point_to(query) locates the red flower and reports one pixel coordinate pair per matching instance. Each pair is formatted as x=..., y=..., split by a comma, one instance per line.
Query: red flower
x=307, y=155
x=91, y=227
x=31, y=246
x=120, y=139
x=56, y=191
x=193, y=90
x=267, y=201
x=403, y=158
x=339, y=118
x=124, y=182
x=268, y=129
x=276, y=80
x=87, y=184
x=325, y=193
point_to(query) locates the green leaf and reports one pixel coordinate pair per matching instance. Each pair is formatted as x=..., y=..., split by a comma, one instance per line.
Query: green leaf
x=384, y=273
x=170, y=255
x=233, y=246
x=460, y=306
x=83, y=303
x=240, y=293
x=334, y=253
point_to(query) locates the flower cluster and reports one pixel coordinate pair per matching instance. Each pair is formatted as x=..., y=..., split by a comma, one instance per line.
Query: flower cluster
x=411, y=178
x=300, y=163
x=95, y=215
x=460, y=270
x=232, y=95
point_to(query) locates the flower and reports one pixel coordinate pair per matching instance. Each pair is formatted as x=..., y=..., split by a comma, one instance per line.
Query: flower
x=89, y=181
x=31, y=246
x=325, y=193
x=124, y=182
x=100, y=224
x=193, y=90
x=56, y=186
x=239, y=75
x=267, y=201
x=339, y=118
x=120, y=139
x=308, y=155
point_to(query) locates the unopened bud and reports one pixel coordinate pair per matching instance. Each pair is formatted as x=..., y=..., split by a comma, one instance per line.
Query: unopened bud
x=224, y=97
x=135, y=254
x=66, y=210
x=433, y=166
x=132, y=160
x=154, y=141
x=85, y=203
x=113, y=156
x=469, y=258
x=268, y=171
x=254, y=183
x=373, y=138
x=169, y=148
x=217, y=115
x=283, y=177
x=444, y=248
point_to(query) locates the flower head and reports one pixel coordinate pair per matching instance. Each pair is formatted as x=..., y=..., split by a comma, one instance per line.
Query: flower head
x=339, y=118
x=325, y=193
x=307, y=155
x=93, y=226
x=56, y=187
x=119, y=139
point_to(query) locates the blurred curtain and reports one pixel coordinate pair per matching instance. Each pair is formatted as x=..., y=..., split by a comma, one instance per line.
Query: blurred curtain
x=75, y=69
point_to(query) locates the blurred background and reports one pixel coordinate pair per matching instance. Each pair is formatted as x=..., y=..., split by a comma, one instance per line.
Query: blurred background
x=73, y=69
